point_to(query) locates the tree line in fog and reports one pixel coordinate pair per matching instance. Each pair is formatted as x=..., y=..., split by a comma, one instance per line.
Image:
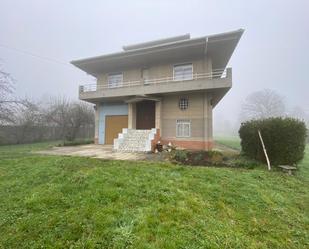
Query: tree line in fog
x=54, y=118
x=260, y=105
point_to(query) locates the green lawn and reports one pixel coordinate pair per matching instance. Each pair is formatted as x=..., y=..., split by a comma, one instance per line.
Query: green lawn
x=71, y=202
x=230, y=141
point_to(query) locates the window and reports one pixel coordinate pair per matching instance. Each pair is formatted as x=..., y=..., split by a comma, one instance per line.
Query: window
x=183, y=128
x=145, y=75
x=183, y=72
x=115, y=80
x=183, y=103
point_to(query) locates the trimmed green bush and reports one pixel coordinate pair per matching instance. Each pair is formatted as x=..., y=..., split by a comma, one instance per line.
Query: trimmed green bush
x=284, y=139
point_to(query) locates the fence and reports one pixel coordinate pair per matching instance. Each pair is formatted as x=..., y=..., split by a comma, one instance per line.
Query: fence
x=21, y=134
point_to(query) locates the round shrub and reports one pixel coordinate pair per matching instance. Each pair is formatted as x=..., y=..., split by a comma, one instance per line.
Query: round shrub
x=284, y=139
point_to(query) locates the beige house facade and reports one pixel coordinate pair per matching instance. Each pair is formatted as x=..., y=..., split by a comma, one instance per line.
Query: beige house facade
x=163, y=90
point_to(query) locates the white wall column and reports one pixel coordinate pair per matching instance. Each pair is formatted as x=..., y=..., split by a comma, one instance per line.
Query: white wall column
x=132, y=115
x=96, y=123
x=158, y=122
x=208, y=133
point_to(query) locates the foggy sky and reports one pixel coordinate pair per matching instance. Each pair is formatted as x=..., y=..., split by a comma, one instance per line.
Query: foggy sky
x=272, y=53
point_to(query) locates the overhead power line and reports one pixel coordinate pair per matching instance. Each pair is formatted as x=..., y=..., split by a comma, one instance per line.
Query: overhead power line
x=36, y=55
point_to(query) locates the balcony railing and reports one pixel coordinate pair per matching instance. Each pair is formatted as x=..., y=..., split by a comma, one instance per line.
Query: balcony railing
x=215, y=74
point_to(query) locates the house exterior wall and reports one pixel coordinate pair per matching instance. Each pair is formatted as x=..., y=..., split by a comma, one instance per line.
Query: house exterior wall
x=158, y=71
x=167, y=110
x=104, y=109
x=199, y=112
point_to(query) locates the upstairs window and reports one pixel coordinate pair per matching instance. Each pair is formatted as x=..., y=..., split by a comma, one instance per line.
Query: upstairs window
x=115, y=80
x=183, y=72
x=145, y=75
x=183, y=128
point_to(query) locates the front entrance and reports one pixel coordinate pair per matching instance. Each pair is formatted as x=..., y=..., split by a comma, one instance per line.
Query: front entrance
x=145, y=115
x=113, y=126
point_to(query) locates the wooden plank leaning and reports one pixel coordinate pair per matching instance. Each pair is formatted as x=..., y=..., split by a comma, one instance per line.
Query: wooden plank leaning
x=264, y=149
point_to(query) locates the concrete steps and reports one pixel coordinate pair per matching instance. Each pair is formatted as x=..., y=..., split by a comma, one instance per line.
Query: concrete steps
x=131, y=140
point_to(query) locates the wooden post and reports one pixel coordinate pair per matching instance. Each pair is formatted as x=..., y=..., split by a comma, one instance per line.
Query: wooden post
x=264, y=149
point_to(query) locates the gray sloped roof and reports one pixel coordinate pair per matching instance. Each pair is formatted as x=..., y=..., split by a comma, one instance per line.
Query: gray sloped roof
x=219, y=47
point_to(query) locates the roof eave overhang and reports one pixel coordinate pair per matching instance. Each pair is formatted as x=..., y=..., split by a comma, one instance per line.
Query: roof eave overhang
x=126, y=59
x=220, y=47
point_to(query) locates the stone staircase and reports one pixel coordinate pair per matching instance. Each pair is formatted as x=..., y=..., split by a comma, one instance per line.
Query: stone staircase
x=131, y=140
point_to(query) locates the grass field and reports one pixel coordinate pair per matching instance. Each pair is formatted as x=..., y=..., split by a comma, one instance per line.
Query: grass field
x=71, y=202
x=230, y=141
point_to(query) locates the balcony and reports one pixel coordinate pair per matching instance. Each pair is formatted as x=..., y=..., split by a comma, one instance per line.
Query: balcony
x=217, y=79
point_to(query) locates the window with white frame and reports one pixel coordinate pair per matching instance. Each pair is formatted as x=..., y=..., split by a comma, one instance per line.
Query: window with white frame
x=145, y=75
x=183, y=72
x=183, y=128
x=115, y=80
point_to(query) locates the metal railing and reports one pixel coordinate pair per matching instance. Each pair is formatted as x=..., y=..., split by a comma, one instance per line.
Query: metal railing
x=215, y=74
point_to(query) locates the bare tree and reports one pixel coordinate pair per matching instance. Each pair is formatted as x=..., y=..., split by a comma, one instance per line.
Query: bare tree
x=29, y=123
x=40, y=121
x=57, y=114
x=263, y=104
x=298, y=112
x=69, y=116
x=7, y=102
x=80, y=114
x=26, y=121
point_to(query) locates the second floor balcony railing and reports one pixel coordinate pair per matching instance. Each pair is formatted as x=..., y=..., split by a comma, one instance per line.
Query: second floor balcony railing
x=215, y=74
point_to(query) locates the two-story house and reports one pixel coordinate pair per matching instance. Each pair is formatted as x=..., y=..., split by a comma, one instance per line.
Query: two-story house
x=160, y=90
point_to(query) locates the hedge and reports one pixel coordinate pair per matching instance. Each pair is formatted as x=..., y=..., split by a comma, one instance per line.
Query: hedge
x=284, y=139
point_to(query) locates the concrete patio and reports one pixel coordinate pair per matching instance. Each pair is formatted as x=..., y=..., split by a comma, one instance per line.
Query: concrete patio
x=106, y=152
x=97, y=151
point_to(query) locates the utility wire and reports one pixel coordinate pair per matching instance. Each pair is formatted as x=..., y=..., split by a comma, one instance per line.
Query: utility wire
x=36, y=56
